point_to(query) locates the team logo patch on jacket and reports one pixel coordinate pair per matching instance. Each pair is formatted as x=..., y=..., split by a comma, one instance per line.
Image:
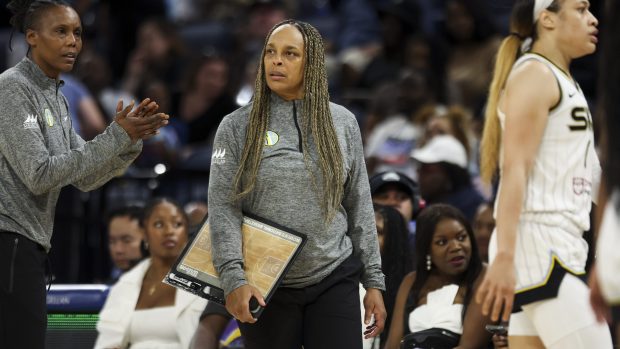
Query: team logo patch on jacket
x=271, y=138
x=218, y=156
x=31, y=122
x=48, y=117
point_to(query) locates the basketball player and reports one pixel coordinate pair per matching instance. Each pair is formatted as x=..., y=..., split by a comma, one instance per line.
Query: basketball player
x=538, y=133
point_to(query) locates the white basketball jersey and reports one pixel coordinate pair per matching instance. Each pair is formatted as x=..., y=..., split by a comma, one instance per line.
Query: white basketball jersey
x=566, y=171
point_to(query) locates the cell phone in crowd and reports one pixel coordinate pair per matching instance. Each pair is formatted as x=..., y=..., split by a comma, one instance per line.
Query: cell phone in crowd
x=497, y=329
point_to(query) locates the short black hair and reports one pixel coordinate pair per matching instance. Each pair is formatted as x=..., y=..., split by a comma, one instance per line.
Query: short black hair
x=27, y=12
x=134, y=212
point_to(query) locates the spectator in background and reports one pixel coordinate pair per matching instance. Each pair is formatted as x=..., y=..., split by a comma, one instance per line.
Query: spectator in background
x=425, y=54
x=86, y=117
x=205, y=100
x=397, y=21
x=472, y=44
x=393, y=136
x=396, y=261
x=119, y=21
x=395, y=189
x=165, y=147
x=196, y=212
x=159, y=55
x=439, y=294
x=95, y=72
x=125, y=239
x=442, y=120
x=484, y=224
x=141, y=310
x=443, y=175
x=262, y=15
x=390, y=131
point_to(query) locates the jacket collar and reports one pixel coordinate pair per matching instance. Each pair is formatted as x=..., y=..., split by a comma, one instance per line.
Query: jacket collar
x=276, y=100
x=32, y=70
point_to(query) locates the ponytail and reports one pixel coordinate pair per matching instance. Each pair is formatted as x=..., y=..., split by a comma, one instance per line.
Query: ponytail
x=522, y=29
x=508, y=53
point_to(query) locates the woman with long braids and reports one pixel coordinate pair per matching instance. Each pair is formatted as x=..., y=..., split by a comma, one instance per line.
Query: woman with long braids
x=538, y=134
x=296, y=159
x=40, y=153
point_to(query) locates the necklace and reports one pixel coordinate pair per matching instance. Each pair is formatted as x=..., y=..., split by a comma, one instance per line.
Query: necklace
x=154, y=283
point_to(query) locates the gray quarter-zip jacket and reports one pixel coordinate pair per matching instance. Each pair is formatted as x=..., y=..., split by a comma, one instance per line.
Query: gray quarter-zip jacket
x=40, y=152
x=284, y=194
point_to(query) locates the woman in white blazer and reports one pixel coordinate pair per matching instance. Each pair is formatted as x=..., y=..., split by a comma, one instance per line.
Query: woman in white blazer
x=141, y=311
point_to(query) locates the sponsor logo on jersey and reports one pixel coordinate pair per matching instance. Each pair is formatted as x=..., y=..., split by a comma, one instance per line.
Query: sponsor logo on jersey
x=31, y=122
x=581, y=186
x=271, y=138
x=218, y=156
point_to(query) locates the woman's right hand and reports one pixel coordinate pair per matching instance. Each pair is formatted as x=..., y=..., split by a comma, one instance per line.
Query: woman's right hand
x=141, y=123
x=238, y=302
x=496, y=293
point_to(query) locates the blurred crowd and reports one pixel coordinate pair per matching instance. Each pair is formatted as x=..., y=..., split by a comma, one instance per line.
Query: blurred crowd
x=414, y=72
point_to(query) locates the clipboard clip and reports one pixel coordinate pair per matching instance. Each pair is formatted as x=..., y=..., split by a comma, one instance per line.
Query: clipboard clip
x=188, y=285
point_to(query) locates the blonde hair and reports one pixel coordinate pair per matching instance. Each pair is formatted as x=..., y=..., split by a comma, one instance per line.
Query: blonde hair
x=316, y=122
x=522, y=26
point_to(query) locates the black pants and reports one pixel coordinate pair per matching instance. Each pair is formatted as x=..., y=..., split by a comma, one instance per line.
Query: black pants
x=23, y=315
x=322, y=316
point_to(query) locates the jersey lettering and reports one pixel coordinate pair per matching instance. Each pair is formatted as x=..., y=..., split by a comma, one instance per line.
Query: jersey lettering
x=582, y=118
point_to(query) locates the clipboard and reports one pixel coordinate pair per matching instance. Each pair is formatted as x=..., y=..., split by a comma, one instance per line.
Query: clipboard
x=269, y=250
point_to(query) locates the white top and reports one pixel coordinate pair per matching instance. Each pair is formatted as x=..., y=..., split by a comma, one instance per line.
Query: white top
x=116, y=317
x=438, y=312
x=566, y=172
x=608, y=258
x=154, y=329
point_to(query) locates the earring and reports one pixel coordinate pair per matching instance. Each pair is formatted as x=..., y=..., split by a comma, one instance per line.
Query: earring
x=428, y=262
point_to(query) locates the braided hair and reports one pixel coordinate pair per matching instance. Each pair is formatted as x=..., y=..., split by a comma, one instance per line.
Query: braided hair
x=316, y=122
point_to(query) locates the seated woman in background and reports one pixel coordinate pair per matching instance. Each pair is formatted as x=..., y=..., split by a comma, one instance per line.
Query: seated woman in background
x=396, y=262
x=438, y=295
x=141, y=311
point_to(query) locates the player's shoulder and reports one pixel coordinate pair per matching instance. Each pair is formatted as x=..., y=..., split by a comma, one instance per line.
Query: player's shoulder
x=532, y=70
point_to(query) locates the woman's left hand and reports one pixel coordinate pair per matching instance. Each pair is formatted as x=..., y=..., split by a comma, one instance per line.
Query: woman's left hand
x=373, y=304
